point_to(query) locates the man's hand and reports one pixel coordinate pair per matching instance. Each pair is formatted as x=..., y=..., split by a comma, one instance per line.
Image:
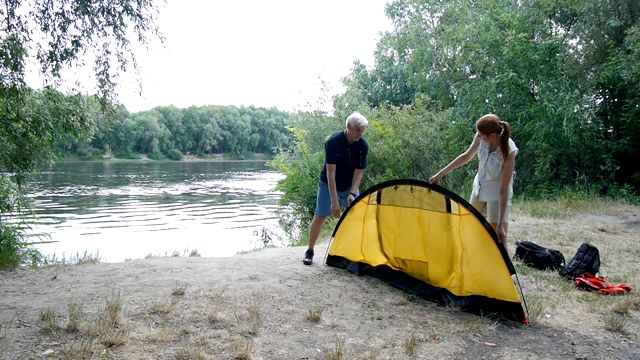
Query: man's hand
x=335, y=209
x=350, y=199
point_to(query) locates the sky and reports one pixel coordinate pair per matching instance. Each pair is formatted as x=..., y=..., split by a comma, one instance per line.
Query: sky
x=254, y=52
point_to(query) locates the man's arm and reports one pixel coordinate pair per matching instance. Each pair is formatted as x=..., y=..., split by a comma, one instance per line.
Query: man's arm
x=333, y=191
x=355, y=184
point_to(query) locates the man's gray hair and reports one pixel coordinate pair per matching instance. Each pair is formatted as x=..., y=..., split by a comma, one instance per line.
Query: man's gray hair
x=357, y=119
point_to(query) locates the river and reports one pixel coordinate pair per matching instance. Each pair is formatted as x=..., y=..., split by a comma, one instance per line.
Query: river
x=120, y=210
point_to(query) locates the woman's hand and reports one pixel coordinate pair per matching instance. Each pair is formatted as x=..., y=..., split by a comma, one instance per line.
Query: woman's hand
x=502, y=235
x=435, y=179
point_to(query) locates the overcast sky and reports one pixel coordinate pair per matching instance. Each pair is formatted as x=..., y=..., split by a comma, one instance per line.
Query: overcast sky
x=254, y=52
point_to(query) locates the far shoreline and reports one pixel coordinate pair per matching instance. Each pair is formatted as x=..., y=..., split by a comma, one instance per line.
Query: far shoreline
x=259, y=157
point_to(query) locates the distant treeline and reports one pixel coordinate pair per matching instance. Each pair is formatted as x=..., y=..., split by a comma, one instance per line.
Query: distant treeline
x=171, y=132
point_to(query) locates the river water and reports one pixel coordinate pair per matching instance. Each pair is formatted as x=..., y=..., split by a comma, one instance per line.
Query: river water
x=120, y=210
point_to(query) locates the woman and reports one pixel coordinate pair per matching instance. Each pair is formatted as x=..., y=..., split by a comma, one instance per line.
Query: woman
x=493, y=184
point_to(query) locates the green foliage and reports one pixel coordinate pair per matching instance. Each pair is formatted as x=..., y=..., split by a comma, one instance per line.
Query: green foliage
x=301, y=163
x=301, y=168
x=57, y=36
x=434, y=141
x=61, y=35
x=237, y=132
x=123, y=154
x=156, y=156
x=88, y=153
x=563, y=74
x=34, y=123
x=15, y=251
x=175, y=154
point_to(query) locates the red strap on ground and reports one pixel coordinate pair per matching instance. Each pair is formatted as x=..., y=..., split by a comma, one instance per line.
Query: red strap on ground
x=589, y=282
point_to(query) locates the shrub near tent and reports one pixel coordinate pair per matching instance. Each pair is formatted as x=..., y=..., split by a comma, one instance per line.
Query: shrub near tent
x=428, y=241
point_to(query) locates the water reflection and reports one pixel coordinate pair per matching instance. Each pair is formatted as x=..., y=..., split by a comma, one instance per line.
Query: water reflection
x=132, y=209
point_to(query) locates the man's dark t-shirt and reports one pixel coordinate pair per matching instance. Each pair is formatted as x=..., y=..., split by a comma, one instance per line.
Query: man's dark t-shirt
x=347, y=157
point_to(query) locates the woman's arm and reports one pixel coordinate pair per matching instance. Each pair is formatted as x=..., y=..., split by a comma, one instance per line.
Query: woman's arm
x=505, y=179
x=462, y=159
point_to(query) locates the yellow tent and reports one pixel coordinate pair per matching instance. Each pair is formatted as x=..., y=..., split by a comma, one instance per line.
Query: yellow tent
x=429, y=242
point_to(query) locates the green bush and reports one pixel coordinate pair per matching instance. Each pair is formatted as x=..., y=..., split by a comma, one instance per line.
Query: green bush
x=127, y=154
x=89, y=153
x=300, y=185
x=174, y=154
x=15, y=251
x=156, y=156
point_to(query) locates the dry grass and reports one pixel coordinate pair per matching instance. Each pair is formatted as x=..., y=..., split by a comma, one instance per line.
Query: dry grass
x=336, y=352
x=314, y=315
x=266, y=308
x=50, y=320
x=76, y=316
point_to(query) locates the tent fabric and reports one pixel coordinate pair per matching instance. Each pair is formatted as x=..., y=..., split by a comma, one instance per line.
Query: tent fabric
x=428, y=241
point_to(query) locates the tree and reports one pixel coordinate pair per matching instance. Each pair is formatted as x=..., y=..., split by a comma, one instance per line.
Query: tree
x=561, y=72
x=58, y=35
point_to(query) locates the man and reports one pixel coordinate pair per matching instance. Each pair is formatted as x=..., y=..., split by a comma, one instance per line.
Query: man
x=344, y=161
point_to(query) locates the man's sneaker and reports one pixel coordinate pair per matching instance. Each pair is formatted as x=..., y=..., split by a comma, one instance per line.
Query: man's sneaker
x=308, y=257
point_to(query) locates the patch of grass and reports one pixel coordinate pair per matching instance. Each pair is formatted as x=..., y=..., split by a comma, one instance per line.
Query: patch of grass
x=190, y=353
x=49, y=320
x=243, y=350
x=194, y=253
x=162, y=307
x=83, y=348
x=76, y=315
x=4, y=329
x=113, y=309
x=545, y=209
x=74, y=259
x=615, y=322
x=114, y=337
x=554, y=281
x=622, y=307
x=179, y=289
x=535, y=307
x=337, y=352
x=314, y=315
x=562, y=208
x=410, y=345
x=473, y=324
x=214, y=317
x=255, y=317
x=175, y=253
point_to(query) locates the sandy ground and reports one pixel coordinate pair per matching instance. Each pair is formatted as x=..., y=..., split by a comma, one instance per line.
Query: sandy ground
x=268, y=305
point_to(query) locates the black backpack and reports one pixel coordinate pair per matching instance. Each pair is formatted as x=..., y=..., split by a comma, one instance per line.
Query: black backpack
x=539, y=257
x=586, y=260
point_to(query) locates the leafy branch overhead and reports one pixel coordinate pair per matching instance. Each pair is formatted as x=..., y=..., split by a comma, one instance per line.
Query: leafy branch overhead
x=53, y=36
x=62, y=34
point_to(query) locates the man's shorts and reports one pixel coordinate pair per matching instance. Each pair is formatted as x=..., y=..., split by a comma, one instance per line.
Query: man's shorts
x=323, y=200
x=491, y=209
